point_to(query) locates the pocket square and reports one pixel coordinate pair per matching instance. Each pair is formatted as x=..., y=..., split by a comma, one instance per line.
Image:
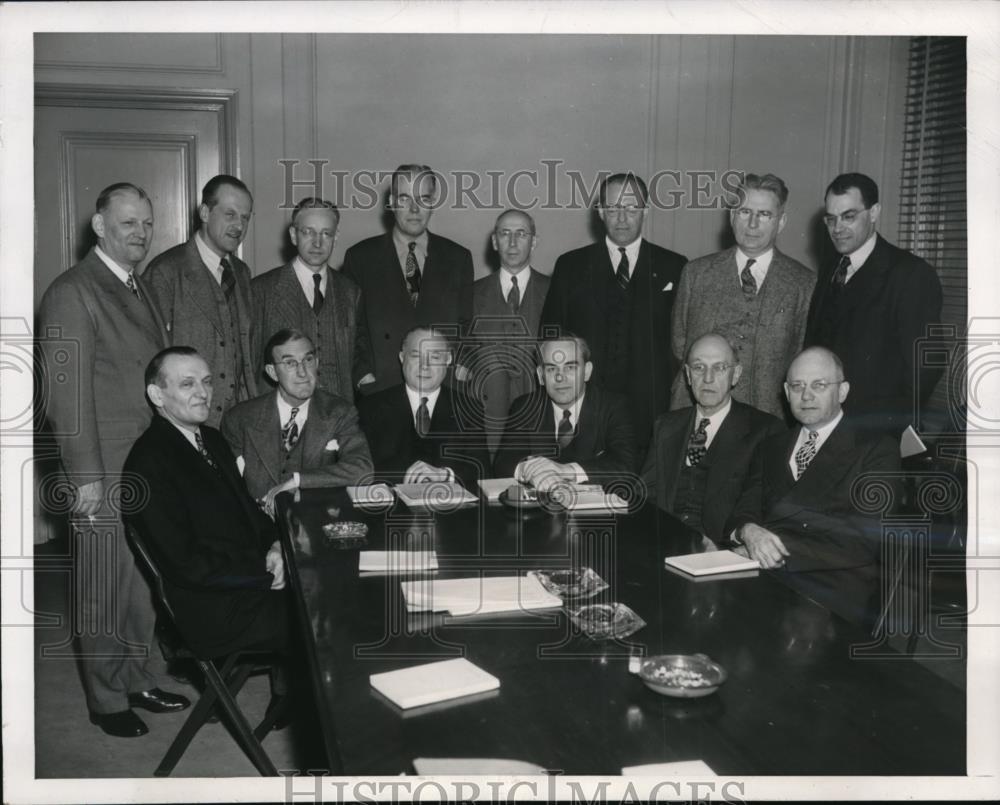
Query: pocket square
x=668, y=287
x=240, y=464
x=333, y=444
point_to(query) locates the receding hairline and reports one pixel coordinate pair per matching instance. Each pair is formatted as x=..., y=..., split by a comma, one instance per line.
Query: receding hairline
x=822, y=352
x=505, y=213
x=712, y=337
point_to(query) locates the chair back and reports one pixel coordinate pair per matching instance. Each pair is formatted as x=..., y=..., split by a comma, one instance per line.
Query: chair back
x=141, y=550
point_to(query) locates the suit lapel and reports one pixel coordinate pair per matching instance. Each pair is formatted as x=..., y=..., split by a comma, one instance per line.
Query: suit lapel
x=265, y=435
x=776, y=290
x=113, y=288
x=673, y=449
x=198, y=286
x=315, y=433
x=827, y=467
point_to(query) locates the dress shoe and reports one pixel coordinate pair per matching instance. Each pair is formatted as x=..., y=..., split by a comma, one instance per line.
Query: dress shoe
x=159, y=701
x=123, y=724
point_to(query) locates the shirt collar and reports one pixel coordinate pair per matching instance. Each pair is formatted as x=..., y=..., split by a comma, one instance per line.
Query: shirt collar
x=523, y=277
x=824, y=431
x=631, y=251
x=116, y=269
x=285, y=410
x=305, y=274
x=403, y=241
x=860, y=255
x=761, y=262
x=208, y=257
x=414, y=397
x=716, y=419
x=574, y=409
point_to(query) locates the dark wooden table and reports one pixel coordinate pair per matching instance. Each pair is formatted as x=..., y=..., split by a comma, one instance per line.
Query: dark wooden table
x=795, y=703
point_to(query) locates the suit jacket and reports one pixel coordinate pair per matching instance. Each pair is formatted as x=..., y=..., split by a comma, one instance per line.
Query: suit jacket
x=882, y=312
x=707, y=289
x=253, y=431
x=577, y=301
x=338, y=333
x=815, y=516
x=96, y=339
x=456, y=438
x=603, y=444
x=183, y=288
x=445, y=296
x=503, y=365
x=206, y=534
x=727, y=460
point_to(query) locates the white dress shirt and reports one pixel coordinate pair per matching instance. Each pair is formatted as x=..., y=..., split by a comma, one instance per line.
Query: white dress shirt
x=574, y=420
x=758, y=269
x=714, y=422
x=402, y=243
x=858, y=256
x=208, y=257
x=304, y=274
x=415, y=397
x=523, y=276
x=631, y=252
x=823, y=434
x=116, y=269
x=285, y=413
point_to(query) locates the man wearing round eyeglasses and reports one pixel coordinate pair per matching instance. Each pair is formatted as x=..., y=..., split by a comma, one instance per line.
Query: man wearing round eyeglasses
x=297, y=436
x=306, y=294
x=699, y=456
x=872, y=306
x=798, y=507
x=752, y=294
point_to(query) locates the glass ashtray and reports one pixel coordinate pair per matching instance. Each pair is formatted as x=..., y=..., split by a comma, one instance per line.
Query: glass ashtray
x=579, y=582
x=345, y=533
x=604, y=621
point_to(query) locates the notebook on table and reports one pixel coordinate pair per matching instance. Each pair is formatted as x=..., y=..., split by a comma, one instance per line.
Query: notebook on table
x=434, y=494
x=433, y=682
x=711, y=562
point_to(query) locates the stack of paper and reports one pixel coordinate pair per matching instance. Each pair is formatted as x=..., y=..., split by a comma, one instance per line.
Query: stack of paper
x=397, y=561
x=478, y=596
x=710, y=562
x=588, y=497
x=370, y=495
x=679, y=768
x=433, y=682
x=433, y=494
x=492, y=487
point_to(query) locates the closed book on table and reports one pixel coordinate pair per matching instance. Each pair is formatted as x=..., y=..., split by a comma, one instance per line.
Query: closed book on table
x=704, y=564
x=433, y=682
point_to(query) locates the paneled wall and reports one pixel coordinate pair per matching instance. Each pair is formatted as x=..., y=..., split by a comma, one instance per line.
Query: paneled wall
x=804, y=107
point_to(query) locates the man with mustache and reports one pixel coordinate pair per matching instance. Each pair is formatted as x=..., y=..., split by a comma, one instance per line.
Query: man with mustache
x=203, y=291
x=99, y=328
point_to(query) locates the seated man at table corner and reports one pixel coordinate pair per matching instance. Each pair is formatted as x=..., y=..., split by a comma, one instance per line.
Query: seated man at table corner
x=797, y=510
x=421, y=430
x=217, y=552
x=567, y=430
x=296, y=436
x=699, y=456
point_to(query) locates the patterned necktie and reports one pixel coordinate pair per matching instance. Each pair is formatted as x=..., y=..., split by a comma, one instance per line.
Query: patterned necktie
x=204, y=450
x=621, y=274
x=748, y=281
x=423, y=420
x=696, y=444
x=228, y=278
x=839, y=279
x=317, y=293
x=806, y=453
x=412, y=271
x=513, y=296
x=290, y=433
x=130, y=284
x=565, y=433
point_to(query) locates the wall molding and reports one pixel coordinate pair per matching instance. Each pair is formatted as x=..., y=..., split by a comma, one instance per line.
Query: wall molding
x=218, y=66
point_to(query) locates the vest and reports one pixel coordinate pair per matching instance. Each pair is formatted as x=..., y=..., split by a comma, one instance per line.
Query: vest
x=690, y=495
x=738, y=320
x=232, y=385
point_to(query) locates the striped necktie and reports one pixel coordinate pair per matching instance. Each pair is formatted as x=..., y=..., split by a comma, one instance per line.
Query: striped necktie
x=204, y=450
x=747, y=280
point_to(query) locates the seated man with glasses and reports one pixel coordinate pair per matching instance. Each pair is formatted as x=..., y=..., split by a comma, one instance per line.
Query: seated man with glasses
x=297, y=436
x=799, y=506
x=699, y=456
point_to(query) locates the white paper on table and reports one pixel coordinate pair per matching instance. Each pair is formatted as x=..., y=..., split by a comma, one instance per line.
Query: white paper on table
x=588, y=497
x=370, y=495
x=492, y=487
x=434, y=494
x=462, y=766
x=478, y=595
x=433, y=682
x=703, y=564
x=679, y=768
x=397, y=561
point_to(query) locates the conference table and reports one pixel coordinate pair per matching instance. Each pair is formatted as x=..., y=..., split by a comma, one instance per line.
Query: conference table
x=796, y=701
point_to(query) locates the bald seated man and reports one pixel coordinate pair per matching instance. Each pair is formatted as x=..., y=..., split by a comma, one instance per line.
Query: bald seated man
x=699, y=456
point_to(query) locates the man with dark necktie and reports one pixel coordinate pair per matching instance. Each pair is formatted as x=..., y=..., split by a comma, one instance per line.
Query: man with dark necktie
x=570, y=431
x=309, y=296
x=203, y=290
x=871, y=307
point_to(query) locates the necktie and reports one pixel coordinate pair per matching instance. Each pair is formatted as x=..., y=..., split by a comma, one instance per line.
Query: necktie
x=806, y=453
x=203, y=450
x=565, y=432
x=290, y=433
x=696, y=444
x=412, y=271
x=317, y=293
x=130, y=284
x=748, y=281
x=840, y=276
x=621, y=274
x=513, y=296
x=228, y=278
x=423, y=421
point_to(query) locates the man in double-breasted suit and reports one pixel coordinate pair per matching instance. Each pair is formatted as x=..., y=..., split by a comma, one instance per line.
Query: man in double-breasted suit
x=297, y=436
x=420, y=430
x=507, y=307
x=203, y=291
x=699, y=456
x=409, y=276
x=618, y=295
x=570, y=431
x=752, y=294
x=309, y=296
x=872, y=308
x=98, y=329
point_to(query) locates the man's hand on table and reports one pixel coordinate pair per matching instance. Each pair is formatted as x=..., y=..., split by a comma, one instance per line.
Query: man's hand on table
x=763, y=545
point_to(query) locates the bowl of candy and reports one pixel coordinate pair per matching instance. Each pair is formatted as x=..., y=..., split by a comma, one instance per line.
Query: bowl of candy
x=685, y=676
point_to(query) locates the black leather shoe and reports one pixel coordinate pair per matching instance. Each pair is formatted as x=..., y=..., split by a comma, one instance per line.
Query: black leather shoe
x=159, y=701
x=123, y=724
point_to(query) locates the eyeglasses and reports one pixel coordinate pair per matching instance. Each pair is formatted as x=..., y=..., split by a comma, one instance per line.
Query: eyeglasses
x=817, y=386
x=746, y=214
x=514, y=234
x=847, y=218
x=292, y=365
x=701, y=369
x=630, y=210
x=312, y=234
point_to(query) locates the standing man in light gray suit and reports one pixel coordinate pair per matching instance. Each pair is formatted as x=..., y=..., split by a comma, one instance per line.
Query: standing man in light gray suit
x=99, y=327
x=203, y=291
x=507, y=311
x=307, y=295
x=752, y=294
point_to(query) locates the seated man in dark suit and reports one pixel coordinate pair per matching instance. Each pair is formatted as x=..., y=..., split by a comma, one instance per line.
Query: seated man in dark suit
x=297, y=436
x=420, y=430
x=571, y=431
x=218, y=553
x=798, y=507
x=699, y=456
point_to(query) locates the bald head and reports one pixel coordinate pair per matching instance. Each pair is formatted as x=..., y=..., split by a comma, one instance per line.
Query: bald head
x=514, y=239
x=712, y=371
x=815, y=387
